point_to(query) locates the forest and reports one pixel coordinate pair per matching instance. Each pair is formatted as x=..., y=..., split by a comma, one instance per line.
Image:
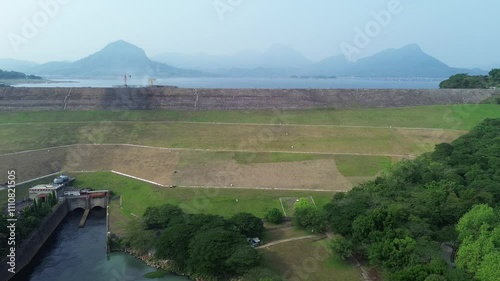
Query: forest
x=400, y=221
x=465, y=81
x=13, y=75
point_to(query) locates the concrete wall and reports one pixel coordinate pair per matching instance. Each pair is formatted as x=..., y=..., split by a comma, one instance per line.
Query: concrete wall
x=58, y=99
x=75, y=203
x=86, y=203
x=28, y=249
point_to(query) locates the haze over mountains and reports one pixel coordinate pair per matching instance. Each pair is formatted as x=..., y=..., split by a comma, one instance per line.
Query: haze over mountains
x=278, y=61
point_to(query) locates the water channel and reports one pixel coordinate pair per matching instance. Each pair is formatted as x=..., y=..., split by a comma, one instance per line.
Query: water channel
x=79, y=254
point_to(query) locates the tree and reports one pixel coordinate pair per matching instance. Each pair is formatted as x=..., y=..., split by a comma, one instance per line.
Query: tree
x=494, y=76
x=248, y=224
x=470, y=223
x=210, y=250
x=308, y=217
x=242, y=259
x=488, y=271
x=392, y=253
x=342, y=247
x=478, y=253
x=344, y=209
x=138, y=238
x=274, y=215
x=173, y=244
x=159, y=217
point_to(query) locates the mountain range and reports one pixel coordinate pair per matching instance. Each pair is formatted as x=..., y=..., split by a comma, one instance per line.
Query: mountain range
x=122, y=57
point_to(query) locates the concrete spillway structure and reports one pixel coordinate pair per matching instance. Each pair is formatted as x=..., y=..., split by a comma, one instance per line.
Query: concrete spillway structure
x=27, y=249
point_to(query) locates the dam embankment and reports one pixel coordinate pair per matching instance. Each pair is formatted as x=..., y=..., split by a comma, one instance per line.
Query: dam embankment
x=169, y=98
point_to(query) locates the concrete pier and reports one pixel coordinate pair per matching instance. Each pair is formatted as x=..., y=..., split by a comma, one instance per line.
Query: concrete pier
x=84, y=218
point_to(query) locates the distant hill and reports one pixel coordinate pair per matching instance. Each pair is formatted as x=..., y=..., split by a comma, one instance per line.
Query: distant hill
x=279, y=61
x=408, y=61
x=16, y=65
x=115, y=59
x=122, y=57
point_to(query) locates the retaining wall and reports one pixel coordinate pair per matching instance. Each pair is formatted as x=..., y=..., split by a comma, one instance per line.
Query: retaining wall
x=30, y=246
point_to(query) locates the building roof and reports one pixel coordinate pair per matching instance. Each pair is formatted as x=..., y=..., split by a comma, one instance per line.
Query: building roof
x=46, y=187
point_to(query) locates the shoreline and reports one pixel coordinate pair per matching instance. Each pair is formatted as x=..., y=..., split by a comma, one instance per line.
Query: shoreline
x=149, y=260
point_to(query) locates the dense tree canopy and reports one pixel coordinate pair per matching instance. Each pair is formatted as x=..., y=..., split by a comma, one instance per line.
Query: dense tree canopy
x=248, y=224
x=207, y=246
x=479, y=235
x=12, y=75
x=399, y=220
x=465, y=81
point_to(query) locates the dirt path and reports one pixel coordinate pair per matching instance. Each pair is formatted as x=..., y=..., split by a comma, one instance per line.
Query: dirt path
x=233, y=123
x=221, y=187
x=217, y=150
x=287, y=240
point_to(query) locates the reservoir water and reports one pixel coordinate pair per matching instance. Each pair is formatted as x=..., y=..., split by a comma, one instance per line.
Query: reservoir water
x=79, y=254
x=259, y=83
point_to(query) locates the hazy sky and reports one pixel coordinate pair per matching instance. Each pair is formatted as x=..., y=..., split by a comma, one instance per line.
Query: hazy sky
x=461, y=33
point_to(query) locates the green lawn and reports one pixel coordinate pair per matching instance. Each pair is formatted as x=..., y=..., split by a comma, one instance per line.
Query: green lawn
x=308, y=260
x=460, y=117
x=226, y=137
x=137, y=196
x=273, y=157
x=361, y=166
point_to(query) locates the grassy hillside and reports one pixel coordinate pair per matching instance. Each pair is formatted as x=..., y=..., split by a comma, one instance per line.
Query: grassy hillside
x=459, y=117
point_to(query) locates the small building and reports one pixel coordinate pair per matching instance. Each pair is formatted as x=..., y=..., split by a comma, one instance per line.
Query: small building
x=43, y=190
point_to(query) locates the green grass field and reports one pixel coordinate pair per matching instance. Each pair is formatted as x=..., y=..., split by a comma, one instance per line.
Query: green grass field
x=308, y=260
x=31, y=130
x=254, y=137
x=359, y=166
x=226, y=137
x=137, y=196
x=459, y=117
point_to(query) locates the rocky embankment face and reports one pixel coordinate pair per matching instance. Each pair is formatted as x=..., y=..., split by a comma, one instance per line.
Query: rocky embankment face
x=167, y=98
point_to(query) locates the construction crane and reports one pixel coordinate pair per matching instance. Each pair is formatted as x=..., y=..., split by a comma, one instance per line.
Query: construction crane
x=125, y=78
x=151, y=82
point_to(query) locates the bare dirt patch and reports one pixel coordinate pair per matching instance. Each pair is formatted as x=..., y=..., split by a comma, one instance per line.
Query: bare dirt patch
x=31, y=165
x=177, y=167
x=314, y=174
x=153, y=164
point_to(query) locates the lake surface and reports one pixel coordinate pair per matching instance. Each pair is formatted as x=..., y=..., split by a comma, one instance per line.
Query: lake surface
x=260, y=83
x=79, y=254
